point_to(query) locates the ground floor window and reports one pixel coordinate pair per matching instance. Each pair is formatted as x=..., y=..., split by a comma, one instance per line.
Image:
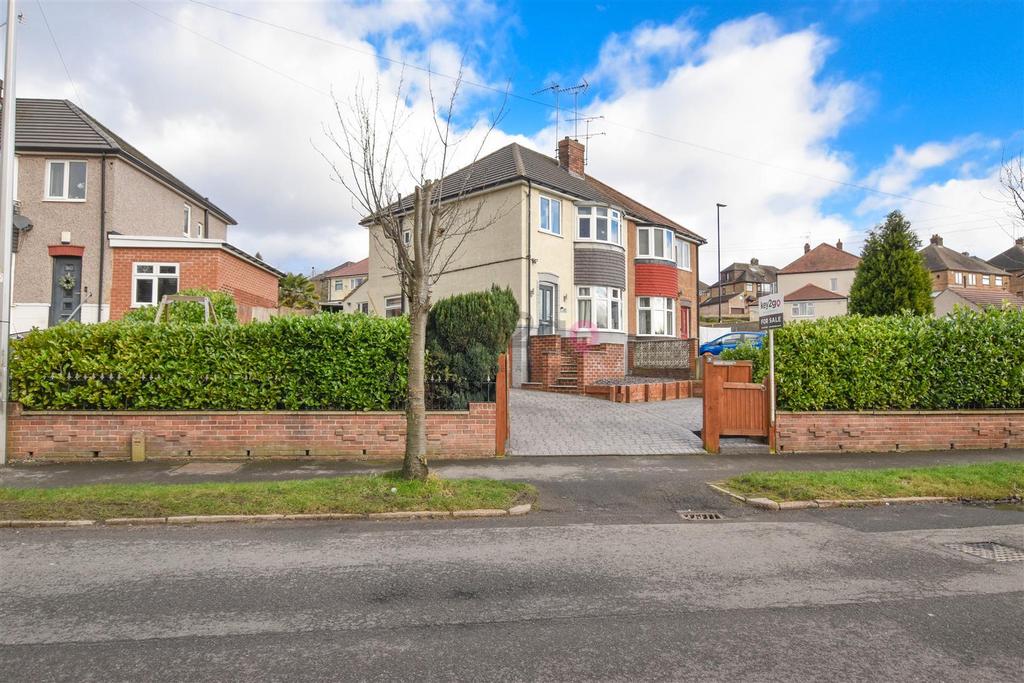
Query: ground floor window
x=804, y=309
x=363, y=307
x=656, y=316
x=392, y=306
x=152, y=281
x=599, y=307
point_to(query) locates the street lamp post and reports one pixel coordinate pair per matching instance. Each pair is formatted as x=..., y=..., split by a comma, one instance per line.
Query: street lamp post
x=718, y=210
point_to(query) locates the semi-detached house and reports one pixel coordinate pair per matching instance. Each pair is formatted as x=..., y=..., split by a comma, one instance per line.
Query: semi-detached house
x=582, y=258
x=101, y=228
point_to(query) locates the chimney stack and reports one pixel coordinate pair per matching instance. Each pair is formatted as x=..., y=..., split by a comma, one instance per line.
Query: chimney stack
x=571, y=155
x=936, y=240
x=754, y=261
x=1020, y=241
x=839, y=245
x=807, y=247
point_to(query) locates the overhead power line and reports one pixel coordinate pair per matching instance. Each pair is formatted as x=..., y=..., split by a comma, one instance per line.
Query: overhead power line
x=53, y=39
x=512, y=95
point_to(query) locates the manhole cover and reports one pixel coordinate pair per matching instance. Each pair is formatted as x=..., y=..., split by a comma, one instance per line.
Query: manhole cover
x=990, y=550
x=699, y=516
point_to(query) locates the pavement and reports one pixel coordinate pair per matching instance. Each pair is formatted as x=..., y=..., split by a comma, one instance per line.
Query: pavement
x=604, y=582
x=545, y=423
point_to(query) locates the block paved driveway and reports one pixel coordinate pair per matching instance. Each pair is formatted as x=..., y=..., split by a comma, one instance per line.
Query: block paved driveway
x=562, y=424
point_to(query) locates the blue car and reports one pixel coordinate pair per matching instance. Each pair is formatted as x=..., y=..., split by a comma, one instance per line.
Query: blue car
x=731, y=341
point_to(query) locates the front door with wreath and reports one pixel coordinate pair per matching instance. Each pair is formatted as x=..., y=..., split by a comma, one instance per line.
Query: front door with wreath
x=65, y=302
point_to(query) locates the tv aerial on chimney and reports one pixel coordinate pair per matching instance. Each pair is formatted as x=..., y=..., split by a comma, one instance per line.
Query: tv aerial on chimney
x=575, y=91
x=587, y=134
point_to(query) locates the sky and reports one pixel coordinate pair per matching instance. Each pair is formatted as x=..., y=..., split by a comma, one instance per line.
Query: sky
x=809, y=120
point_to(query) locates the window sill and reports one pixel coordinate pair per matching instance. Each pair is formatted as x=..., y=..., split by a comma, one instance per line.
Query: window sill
x=585, y=240
x=60, y=200
x=549, y=233
x=668, y=261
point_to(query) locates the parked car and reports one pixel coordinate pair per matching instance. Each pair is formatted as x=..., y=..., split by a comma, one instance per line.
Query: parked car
x=731, y=341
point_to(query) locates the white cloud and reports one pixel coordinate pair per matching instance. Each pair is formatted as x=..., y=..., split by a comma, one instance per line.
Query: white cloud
x=630, y=60
x=904, y=167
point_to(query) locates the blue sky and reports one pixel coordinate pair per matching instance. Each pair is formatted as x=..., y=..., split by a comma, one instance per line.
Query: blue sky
x=917, y=99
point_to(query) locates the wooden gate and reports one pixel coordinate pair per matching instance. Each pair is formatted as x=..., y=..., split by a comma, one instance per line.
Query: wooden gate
x=733, y=404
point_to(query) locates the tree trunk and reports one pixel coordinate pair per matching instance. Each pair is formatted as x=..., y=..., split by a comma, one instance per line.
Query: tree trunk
x=415, y=464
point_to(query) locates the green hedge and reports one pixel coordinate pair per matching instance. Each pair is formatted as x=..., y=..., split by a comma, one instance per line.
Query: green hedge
x=968, y=359
x=748, y=351
x=327, y=361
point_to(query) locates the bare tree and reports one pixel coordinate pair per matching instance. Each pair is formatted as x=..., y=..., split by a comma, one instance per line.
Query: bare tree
x=420, y=234
x=1011, y=177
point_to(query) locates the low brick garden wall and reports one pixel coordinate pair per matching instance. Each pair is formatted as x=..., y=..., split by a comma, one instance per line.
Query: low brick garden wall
x=107, y=435
x=908, y=430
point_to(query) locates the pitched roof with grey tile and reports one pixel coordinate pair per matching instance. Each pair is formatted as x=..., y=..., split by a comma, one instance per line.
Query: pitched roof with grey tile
x=983, y=298
x=752, y=272
x=811, y=292
x=514, y=162
x=938, y=258
x=60, y=126
x=823, y=257
x=1011, y=260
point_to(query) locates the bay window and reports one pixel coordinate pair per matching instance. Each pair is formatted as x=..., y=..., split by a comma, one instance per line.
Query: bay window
x=656, y=316
x=599, y=307
x=599, y=224
x=656, y=243
x=152, y=281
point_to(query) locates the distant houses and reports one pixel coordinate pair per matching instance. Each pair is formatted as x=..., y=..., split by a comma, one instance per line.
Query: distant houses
x=817, y=285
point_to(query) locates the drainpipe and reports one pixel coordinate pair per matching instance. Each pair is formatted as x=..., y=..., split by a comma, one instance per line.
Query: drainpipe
x=103, y=233
x=529, y=271
x=206, y=223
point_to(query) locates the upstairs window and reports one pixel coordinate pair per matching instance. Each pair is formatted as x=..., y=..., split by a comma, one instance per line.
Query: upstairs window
x=392, y=306
x=682, y=255
x=985, y=280
x=999, y=280
x=188, y=220
x=972, y=278
x=152, y=281
x=550, y=215
x=599, y=224
x=356, y=281
x=655, y=243
x=65, y=180
x=339, y=285
x=200, y=232
x=959, y=278
x=833, y=284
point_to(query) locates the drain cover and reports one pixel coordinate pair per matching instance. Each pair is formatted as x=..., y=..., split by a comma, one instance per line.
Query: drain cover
x=697, y=516
x=990, y=550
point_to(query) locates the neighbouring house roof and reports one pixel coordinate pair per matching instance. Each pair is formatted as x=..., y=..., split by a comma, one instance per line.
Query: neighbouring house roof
x=44, y=125
x=346, y=269
x=702, y=285
x=811, y=292
x=1011, y=260
x=822, y=258
x=118, y=240
x=938, y=258
x=514, y=162
x=715, y=300
x=987, y=298
x=752, y=272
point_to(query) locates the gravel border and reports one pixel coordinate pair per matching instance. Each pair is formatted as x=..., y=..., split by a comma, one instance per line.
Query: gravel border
x=514, y=511
x=769, y=504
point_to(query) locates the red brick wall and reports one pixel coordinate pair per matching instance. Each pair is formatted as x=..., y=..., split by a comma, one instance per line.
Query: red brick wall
x=545, y=358
x=69, y=435
x=214, y=269
x=601, y=361
x=909, y=430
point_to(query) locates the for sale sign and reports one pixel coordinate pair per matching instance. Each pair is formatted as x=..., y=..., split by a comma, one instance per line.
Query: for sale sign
x=769, y=311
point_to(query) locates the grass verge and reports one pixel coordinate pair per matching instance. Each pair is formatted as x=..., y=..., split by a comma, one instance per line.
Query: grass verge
x=360, y=494
x=985, y=481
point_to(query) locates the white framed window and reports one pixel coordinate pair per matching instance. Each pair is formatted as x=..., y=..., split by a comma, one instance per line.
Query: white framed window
x=65, y=180
x=655, y=243
x=356, y=281
x=599, y=224
x=972, y=278
x=392, y=306
x=803, y=309
x=199, y=230
x=656, y=316
x=986, y=280
x=188, y=221
x=766, y=288
x=833, y=284
x=550, y=215
x=600, y=307
x=959, y=277
x=339, y=285
x=749, y=287
x=407, y=237
x=999, y=280
x=151, y=281
x=682, y=255
x=363, y=307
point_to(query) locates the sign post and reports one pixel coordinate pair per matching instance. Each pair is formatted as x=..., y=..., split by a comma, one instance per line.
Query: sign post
x=769, y=317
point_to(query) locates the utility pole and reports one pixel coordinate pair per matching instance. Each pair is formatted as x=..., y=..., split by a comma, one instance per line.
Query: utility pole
x=6, y=219
x=718, y=209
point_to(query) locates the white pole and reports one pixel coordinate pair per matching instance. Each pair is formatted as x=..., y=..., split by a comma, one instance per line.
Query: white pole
x=6, y=219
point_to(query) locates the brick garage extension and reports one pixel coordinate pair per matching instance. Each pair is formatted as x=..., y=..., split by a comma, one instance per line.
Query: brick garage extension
x=910, y=430
x=210, y=268
x=73, y=435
